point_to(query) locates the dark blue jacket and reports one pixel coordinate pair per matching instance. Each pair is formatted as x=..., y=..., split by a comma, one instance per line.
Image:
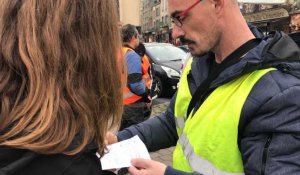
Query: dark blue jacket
x=269, y=127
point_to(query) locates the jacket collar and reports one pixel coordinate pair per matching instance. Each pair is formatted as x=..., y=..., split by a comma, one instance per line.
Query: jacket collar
x=275, y=50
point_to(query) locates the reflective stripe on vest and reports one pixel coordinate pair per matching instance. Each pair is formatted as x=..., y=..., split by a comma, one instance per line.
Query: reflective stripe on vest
x=197, y=163
x=145, y=70
x=208, y=141
x=128, y=96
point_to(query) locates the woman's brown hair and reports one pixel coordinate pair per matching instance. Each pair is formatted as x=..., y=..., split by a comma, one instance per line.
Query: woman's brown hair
x=59, y=78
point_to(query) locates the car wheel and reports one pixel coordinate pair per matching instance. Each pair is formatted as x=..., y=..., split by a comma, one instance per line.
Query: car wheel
x=157, y=86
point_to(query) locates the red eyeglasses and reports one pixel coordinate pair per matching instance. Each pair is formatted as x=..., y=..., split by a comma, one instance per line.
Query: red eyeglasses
x=177, y=20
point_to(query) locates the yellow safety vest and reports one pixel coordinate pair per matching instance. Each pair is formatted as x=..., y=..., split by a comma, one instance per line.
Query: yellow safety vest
x=208, y=140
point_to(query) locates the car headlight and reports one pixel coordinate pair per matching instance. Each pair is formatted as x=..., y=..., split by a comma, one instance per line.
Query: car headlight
x=170, y=72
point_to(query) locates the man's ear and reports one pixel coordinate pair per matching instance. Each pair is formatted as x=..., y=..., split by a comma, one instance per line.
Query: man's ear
x=132, y=38
x=219, y=5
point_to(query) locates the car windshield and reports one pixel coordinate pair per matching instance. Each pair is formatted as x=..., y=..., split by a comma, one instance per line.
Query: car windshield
x=165, y=53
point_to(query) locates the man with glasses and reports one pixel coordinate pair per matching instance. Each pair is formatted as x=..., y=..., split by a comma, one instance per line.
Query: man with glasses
x=237, y=108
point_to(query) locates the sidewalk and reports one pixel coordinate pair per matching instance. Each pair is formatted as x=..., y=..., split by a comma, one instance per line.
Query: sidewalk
x=164, y=155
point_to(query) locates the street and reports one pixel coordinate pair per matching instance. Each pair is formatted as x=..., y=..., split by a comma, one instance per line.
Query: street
x=163, y=155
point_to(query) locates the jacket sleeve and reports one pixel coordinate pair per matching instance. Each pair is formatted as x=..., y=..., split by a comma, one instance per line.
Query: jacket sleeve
x=172, y=171
x=270, y=138
x=157, y=132
x=134, y=70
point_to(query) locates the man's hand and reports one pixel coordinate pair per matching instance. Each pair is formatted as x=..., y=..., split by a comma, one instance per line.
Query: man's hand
x=110, y=138
x=146, y=167
x=149, y=102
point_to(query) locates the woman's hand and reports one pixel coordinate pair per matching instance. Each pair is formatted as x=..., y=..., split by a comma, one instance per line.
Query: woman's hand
x=110, y=138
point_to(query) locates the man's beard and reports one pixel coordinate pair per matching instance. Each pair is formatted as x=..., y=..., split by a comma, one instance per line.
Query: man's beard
x=198, y=54
x=210, y=46
x=185, y=41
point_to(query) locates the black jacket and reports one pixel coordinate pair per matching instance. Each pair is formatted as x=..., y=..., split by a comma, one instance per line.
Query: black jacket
x=24, y=162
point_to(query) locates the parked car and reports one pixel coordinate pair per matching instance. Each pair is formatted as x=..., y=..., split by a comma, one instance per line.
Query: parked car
x=166, y=61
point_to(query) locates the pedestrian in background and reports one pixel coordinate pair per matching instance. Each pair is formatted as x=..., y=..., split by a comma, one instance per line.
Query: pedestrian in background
x=237, y=108
x=136, y=97
x=60, y=87
x=147, y=74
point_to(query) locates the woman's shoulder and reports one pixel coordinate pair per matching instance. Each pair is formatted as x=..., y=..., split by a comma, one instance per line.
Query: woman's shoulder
x=24, y=162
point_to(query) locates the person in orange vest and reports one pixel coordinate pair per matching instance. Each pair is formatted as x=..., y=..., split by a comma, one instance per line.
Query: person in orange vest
x=146, y=65
x=136, y=97
x=147, y=73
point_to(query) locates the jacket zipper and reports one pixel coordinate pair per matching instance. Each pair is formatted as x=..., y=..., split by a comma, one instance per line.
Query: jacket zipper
x=265, y=154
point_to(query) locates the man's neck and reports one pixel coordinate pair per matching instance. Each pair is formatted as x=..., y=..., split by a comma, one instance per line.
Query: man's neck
x=130, y=45
x=234, y=35
x=222, y=52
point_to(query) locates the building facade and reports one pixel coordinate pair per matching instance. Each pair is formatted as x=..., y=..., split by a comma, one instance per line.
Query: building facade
x=130, y=12
x=156, y=23
x=164, y=29
x=146, y=20
x=268, y=17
